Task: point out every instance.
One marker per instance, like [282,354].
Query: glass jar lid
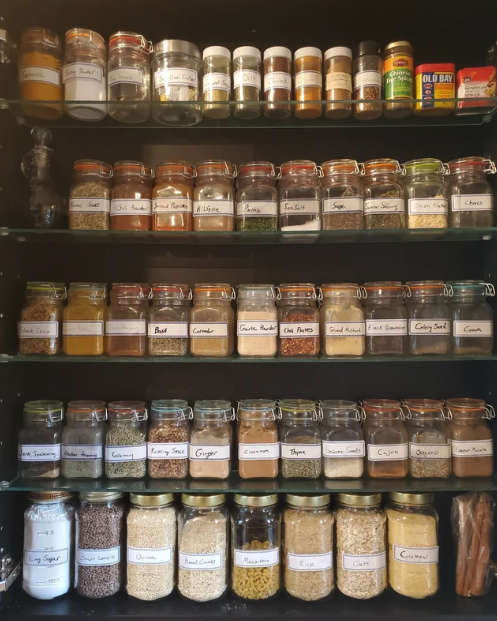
[100,496]
[215,409]
[425,288]
[341,290]
[382,165]
[127,410]
[44,411]
[83,36]
[257,169]
[383,289]
[392,46]
[200,500]
[215,291]
[424,166]
[176,46]
[90,290]
[131,40]
[300,167]
[256,501]
[260,292]
[208,168]
[470,288]
[257,409]
[93,167]
[131,290]
[171,291]
[411,499]
[308,502]
[306,291]
[49,498]
[474,163]
[298,408]
[340,409]
[170,408]
[359,500]
[131,168]
[341,167]
[465,408]
[151,500]
[42,35]
[175,167]
[54,290]
[82,411]
[421,409]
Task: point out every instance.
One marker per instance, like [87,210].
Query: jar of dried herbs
[342,320]
[216,82]
[83,326]
[300,196]
[212,320]
[126,440]
[343,204]
[89,198]
[426,194]
[214,196]
[429,317]
[247,82]
[257,197]
[299,320]
[168,320]
[384,206]
[338,71]
[471,193]
[131,204]
[367,76]
[386,318]
[258,445]
[172,203]
[126,320]
[168,438]
[300,439]
[472,317]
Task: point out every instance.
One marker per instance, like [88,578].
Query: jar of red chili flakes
[131,204]
[299,320]
[172,204]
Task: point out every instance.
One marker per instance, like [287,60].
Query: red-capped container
[476,83]
[435,84]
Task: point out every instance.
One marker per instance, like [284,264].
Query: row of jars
[299,196]
[329,437]
[380,318]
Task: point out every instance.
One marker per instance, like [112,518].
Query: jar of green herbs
[126,440]
[257,197]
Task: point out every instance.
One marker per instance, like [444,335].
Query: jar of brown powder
[212,320]
[172,202]
[277,82]
[308,82]
[126,320]
[211,439]
[39,329]
[131,204]
[258,445]
[338,70]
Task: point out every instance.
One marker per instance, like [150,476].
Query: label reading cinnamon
[262,451]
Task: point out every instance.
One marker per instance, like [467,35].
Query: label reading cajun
[398,77]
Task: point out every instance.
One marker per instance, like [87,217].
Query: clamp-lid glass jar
[257,197]
[126,320]
[257,433]
[300,439]
[83,325]
[308,76]
[386,318]
[257,321]
[277,82]
[342,320]
[299,320]
[426,194]
[367,74]
[172,202]
[398,79]
[300,196]
[428,314]
[343,203]
[168,438]
[247,82]
[168,320]
[211,439]
[216,82]
[214,196]
[472,317]
[338,72]
[89,197]
[212,320]
[126,440]
[384,206]
[131,204]
[471,195]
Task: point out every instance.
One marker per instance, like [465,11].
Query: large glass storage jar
[48,545]
[342,440]
[299,320]
[300,196]
[342,320]
[425,193]
[128,77]
[176,66]
[257,435]
[247,82]
[214,196]
[100,541]
[386,438]
[203,526]
[38,448]
[83,438]
[471,437]
[386,318]
[126,320]
[84,75]
[131,204]
[126,440]
[367,76]
[308,547]
[89,197]
[361,545]
[471,194]
[308,76]
[343,205]
[429,442]
[168,438]
[472,317]
[257,321]
[412,545]
[257,197]
[338,72]
[172,202]
[216,70]
[428,316]
[83,324]
[300,439]
[255,547]
[39,329]
[151,546]
[212,320]
[211,439]
[168,320]
[277,82]
[384,206]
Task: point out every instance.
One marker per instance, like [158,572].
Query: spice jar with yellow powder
[83,324]
[212,321]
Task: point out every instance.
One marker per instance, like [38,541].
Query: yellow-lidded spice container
[398,70]
[83,324]
[435,83]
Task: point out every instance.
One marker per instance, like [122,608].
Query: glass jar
[300,196]
[126,440]
[429,443]
[342,320]
[472,317]
[128,78]
[277,82]
[255,547]
[308,76]
[384,206]
[100,541]
[386,439]
[257,435]
[398,79]
[471,437]
[151,546]
[342,439]
[308,547]
[214,196]
[211,439]
[131,204]
[367,74]
[247,82]
[41,316]
[386,318]
[361,545]
[172,203]
[83,439]
[299,320]
[300,439]
[175,67]
[471,195]
[89,197]
[84,75]
[168,320]
[126,320]
[343,204]
[426,194]
[338,71]
[40,60]
[216,71]
[38,449]
[83,325]
[428,315]
[257,321]
[168,438]
[412,545]
[203,524]
[257,197]
[212,321]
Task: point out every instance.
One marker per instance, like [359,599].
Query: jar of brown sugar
[338,71]
[258,445]
[126,320]
[277,82]
[212,320]
[299,320]
[214,196]
[308,82]
[131,204]
[172,202]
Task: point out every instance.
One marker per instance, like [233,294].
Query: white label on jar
[387,452]
[344,328]
[428,206]
[429,451]
[259,451]
[135,452]
[472,448]
[299,207]
[82,71]
[213,208]
[338,80]
[82,452]
[247,77]
[200,561]
[176,76]
[364,562]
[472,202]
[217,82]
[46,558]
[355,448]
[257,558]
[35,73]
[209,452]
[386,327]
[125,75]
[130,207]
[417,556]
[473,328]
[178,204]
[278,79]
[126,327]
[168,329]
[150,556]
[89,205]
[83,328]
[257,328]
[207,330]
[383,205]
[256,209]
[37,329]
[94,558]
[309,562]
[38,452]
[299,330]
[429,326]
[167,450]
[312,79]
[300,451]
[367,78]
[345,204]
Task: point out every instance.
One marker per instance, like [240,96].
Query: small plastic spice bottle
[471,437]
[471,195]
[255,547]
[338,71]
[257,434]
[367,74]
[277,82]
[168,438]
[126,320]
[126,440]
[131,204]
[308,76]
[216,82]
[342,320]
[89,197]
[247,82]
[428,315]
[472,317]
[257,197]
[212,320]
[386,318]
[300,196]
[398,79]
[214,196]
[426,194]
[300,439]
[386,438]
[299,320]
[257,321]
[168,320]
[343,204]
[172,202]
[384,206]
[84,315]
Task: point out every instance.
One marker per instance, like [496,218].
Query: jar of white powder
[257,321]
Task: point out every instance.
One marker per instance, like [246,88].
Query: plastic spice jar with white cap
[308,69]
[338,70]
[216,89]
[247,82]
[277,82]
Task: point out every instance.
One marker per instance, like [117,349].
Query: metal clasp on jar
[98,417]
[140,415]
[58,296]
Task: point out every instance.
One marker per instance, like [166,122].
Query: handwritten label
[82,71]
[38,452]
[344,328]
[309,562]
[34,73]
[299,330]
[213,208]
[130,207]
[472,328]
[472,448]
[46,558]
[264,451]
[125,75]
[217,82]
[168,329]
[150,556]
[386,327]
[299,207]
[428,206]
[257,328]
[257,209]
[387,452]
[89,205]
[179,204]
[37,329]
[257,558]
[277,80]
[94,558]
[308,78]
[367,78]
[82,452]
[200,562]
[136,452]
[167,450]
[355,448]
[415,556]
[344,204]
[364,562]
[176,76]
[429,326]
[383,205]
[338,80]
[429,451]
[300,451]
[209,452]
[472,202]
[247,77]
[83,328]
[126,327]
[206,330]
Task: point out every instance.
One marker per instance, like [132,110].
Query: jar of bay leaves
[343,204]
[89,197]
[472,317]
[300,439]
[386,318]
[429,317]
[257,197]
[168,320]
[384,206]
[126,440]
[426,194]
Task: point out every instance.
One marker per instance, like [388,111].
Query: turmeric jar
[131,204]
[83,324]
[126,320]
[172,203]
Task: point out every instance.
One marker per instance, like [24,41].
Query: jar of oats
[89,198]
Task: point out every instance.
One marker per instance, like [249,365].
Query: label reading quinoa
[300,451]
[309,562]
[125,75]
[247,78]
[82,452]
[257,209]
[176,76]
[94,558]
[150,556]
[179,204]
[383,205]
[82,71]
[257,328]
[126,327]
[136,452]
[35,73]
[262,451]
[298,207]
[167,450]
[38,452]
[387,452]
[367,78]
[429,326]
[472,202]
[257,558]
[386,327]
[416,556]
[83,328]
[216,82]
[89,205]
[345,328]
[299,330]
[472,448]
[308,78]
[429,451]
[46,558]
[343,204]
[338,80]
[364,562]
[168,329]
[209,452]
[473,329]
[213,208]
[200,561]
[356,448]
[428,206]
[130,207]
[206,330]
[278,80]
[37,329]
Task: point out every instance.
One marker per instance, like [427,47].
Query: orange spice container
[308,82]
[172,203]
[131,204]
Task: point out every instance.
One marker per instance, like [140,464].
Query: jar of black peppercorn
[366,69]
[299,320]
[386,318]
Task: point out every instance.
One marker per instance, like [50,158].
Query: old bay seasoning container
[398,79]
[435,83]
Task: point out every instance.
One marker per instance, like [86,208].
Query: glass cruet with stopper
[472,317]
[426,194]
[300,439]
[384,206]
[428,316]
[471,195]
